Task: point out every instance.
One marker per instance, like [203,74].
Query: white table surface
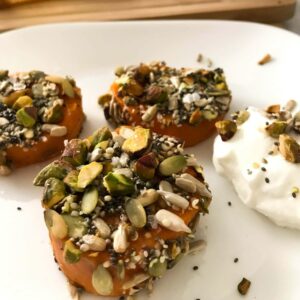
[294,23]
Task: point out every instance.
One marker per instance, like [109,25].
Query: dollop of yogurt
[262,178]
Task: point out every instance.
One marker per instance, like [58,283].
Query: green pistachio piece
[76,226]
[102,145]
[54,191]
[71,253]
[172,165]
[88,173]
[104,99]
[276,128]
[102,281]
[54,114]
[27,116]
[118,184]
[36,75]
[209,115]
[242,117]
[102,134]
[58,169]
[138,141]
[289,148]
[3,74]
[157,268]
[55,224]
[22,102]
[71,180]
[75,152]
[195,117]
[136,213]
[89,200]
[217,92]
[226,129]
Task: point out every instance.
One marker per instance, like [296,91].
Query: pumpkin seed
[89,200]
[65,85]
[55,224]
[157,268]
[172,165]
[76,226]
[136,213]
[209,114]
[136,280]
[102,281]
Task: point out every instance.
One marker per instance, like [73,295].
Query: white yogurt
[240,159]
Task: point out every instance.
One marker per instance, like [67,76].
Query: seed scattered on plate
[267,58]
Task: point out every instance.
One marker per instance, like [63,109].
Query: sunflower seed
[201,187]
[175,199]
[103,228]
[120,239]
[95,243]
[165,186]
[186,185]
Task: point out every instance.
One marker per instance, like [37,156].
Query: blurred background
[19,13]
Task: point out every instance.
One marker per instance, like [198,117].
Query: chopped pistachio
[195,117]
[27,116]
[71,180]
[138,142]
[22,102]
[57,169]
[242,117]
[226,129]
[54,114]
[276,128]
[157,268]
[104,99]
[100,135]
[71,253]
[209,115]
[118,184]
[54,191]
[289,148]
[88,173]
[75,152]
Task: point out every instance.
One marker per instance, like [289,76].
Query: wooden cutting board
[18,13]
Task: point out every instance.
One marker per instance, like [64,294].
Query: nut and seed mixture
[30,105]
[283,126]
[166,95]
[114,191]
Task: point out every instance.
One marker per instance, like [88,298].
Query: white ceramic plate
[268,255]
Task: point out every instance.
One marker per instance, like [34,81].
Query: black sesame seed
[19,208]
[236,260]
[229,203]
[195,268]
[263,169]
[294,195]
[267,180]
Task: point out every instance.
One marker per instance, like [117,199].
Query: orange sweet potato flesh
[80,273]
[191,134]
[41,151]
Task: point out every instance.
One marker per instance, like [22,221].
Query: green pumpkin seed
[102,281]
[55,224]
[172,165]
[157,268]
[136,213]
[89,200]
